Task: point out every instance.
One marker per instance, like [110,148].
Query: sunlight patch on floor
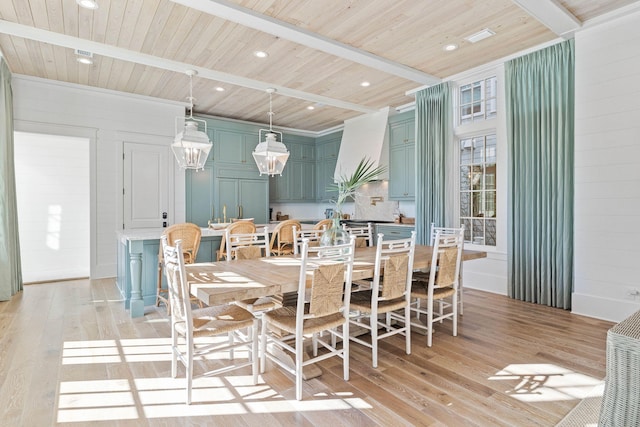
[544,382]
[164,397]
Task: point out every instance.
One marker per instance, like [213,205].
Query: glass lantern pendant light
[270,154]
[191,147]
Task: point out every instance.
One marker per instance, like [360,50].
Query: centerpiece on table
[346,188]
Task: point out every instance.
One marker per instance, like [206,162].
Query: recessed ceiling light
[450,47]
[220,89]
[311,107]
[83,56]
[480,35]
[365,84]
[87,4]
[260,54]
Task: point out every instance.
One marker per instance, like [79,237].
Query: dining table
[223,282]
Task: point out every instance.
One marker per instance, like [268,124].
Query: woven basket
[621,398]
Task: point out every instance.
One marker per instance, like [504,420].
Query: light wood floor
[71,355]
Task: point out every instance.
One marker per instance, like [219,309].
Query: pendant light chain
[191,95]
[270,111]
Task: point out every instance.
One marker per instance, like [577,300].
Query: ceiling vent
[84,53]
[480,35]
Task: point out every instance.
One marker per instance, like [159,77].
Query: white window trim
[495,125]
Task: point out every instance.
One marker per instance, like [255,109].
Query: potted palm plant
[346,187]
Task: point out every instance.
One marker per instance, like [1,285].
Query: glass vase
[335,235]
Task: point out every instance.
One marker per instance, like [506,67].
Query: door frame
[80,132]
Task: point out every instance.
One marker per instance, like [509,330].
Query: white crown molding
[32,33]
[98,90]
[249,18]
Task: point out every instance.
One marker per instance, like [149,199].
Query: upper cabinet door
[230,146]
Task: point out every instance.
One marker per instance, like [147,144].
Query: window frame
[477,128]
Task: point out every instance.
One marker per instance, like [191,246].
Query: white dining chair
[252,246]
[364,234]
[312,236]
[442,284]
[189,327]
[390,294]
[322,307]
[424,275]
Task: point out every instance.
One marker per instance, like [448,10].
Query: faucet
[375,199]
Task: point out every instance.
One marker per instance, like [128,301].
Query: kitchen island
[137,264]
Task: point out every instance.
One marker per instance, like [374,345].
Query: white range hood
[363,137]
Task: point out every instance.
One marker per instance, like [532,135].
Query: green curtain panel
[540,126]
[10,272]
[434,130]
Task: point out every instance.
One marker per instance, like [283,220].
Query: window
[478,188]
[478,101]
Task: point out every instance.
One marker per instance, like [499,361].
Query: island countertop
[155,233]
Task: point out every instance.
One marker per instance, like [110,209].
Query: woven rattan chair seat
[257,304]
[218,320]
[361,301]
[419,290]
[285,319]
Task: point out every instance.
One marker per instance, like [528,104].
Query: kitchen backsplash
[372,202]
[376,192]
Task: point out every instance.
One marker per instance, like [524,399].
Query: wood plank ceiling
[144,47]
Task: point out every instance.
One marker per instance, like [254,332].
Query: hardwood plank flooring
[70,355]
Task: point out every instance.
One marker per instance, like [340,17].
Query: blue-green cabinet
[327,148]
[235,146]
[242,198]
[402,151]
[230,177]
[199,195]
[297,183]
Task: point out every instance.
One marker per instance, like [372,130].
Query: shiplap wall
[607,169]
[46,106]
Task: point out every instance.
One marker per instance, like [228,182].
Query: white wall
[47,106]
[52,187]
[607,169]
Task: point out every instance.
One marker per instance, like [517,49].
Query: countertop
[155,233]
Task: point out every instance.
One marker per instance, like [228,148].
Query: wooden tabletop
[226,281]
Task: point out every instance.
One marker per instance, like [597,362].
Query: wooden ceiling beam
[249,18]
[63,40]
[553,15]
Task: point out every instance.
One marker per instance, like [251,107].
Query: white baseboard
[613,310]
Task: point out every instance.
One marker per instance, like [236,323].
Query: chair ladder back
[248,245]
[312,235]
[448,256]
[238,227]
[364,235]
[443,231]
[394,281]
[397,256]
[330,268]
[327,289]
[178,287]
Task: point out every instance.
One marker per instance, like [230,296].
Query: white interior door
[146,185]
